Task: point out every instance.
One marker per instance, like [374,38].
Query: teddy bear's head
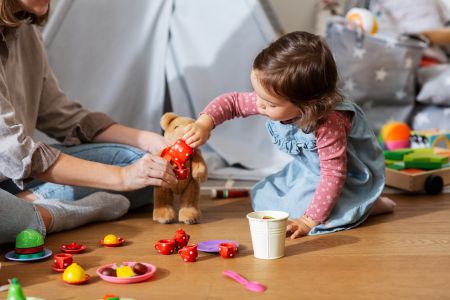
[174,125]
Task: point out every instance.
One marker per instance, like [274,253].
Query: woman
[38,182]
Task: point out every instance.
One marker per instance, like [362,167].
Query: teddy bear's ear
[166,119]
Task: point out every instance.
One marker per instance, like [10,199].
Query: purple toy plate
[11,255]
[212,246]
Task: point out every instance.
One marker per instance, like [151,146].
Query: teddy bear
[187,189]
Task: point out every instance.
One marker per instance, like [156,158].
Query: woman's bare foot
[383,205]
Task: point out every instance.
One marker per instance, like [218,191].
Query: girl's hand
[150,170]
[300,227]
[198,133]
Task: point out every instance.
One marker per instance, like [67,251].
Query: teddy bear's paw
[189,215]
[164,215]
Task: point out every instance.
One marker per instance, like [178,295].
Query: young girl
[336,177]
[30,99]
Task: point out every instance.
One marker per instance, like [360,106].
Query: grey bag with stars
[378,73]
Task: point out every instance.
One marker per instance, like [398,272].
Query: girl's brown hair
[10,19]
[300,68]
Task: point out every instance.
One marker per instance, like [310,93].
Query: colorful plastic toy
[74,274]
[363,19]
[61,261]
[111,240]
[249,285]
[178,155]
[181,238]
[73,248]
[166,246]
[430,138]
[394,135]
[212,246]
[189,253]
[29,247]
[151,269]
[15,291]
[415,170]
[227,250]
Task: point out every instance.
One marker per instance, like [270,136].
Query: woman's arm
[149,170]
[145,140]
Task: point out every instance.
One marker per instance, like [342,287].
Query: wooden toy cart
[415,180]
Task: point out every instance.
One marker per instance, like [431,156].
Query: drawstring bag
[376,72]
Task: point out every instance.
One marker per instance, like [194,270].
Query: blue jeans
[112,154]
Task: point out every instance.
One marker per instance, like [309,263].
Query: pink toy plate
[86,278]
[119,243]
[64,248]
[138,278]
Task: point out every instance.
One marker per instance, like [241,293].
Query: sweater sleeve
[20,156]
[232,105]
[331,139]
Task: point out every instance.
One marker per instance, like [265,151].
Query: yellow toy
[363,19]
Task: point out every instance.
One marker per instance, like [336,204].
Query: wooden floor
[405,255]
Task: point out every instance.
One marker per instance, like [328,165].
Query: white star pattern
[422,118]
[400,94]
[359,53]
[349,85]
[380,74]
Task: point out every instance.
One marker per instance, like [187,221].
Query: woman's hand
[149,170]
[198,133]
[300,227]
[154,143]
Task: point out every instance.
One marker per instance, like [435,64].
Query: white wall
[296,14]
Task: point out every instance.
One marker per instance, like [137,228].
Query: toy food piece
[74,274]
[29,244]
[267,217]
[15,291]
[124,271]
[109,272]
[110,239]
[140,269]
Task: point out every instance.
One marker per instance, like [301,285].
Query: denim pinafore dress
[292,189]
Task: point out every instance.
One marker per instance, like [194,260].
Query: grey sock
[99,206]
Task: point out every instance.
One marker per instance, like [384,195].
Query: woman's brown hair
[10,19]
[300,68]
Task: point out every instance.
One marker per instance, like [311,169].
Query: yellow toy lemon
[124,271]
[110,239]
[74,273]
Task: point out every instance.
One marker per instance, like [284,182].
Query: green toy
[15,291]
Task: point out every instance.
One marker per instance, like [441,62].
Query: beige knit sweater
[30,99]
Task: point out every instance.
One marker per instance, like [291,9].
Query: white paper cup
[268,235]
